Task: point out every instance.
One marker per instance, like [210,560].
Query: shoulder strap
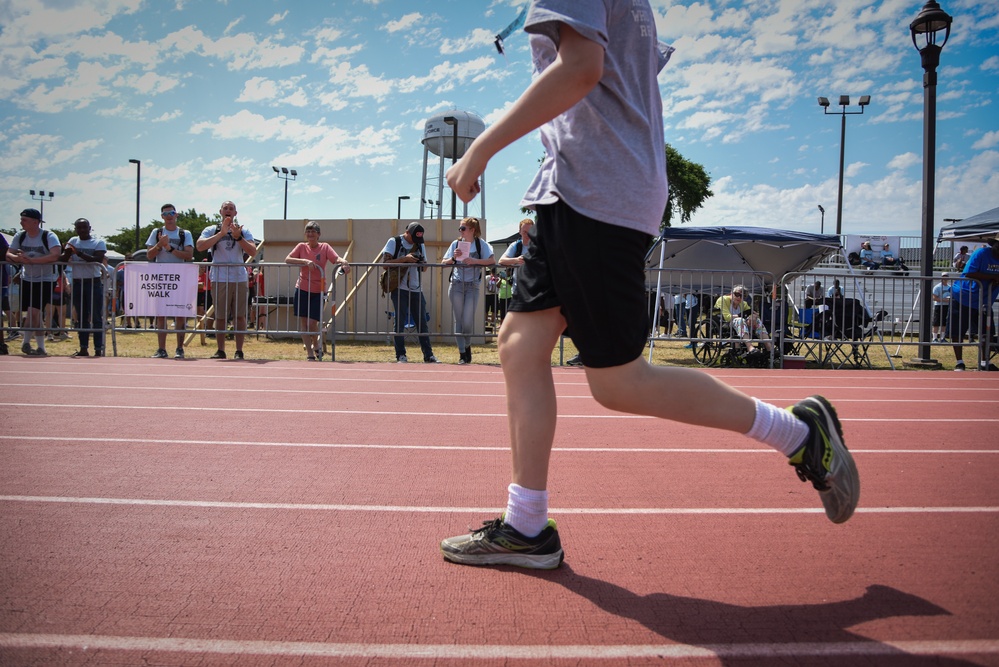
[398,247]
[478,247]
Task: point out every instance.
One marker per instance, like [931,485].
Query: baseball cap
[31,213]
[415,230]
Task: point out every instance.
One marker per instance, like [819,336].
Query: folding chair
[853,332]
[806,338]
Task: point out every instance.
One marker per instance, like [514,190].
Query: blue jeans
[464,300]
[88,300]
[408,303]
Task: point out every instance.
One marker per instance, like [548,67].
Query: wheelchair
[715,343]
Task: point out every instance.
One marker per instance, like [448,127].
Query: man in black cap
[37,250]
[407,299]
[86,255]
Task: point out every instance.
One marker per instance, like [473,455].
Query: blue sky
[210,94]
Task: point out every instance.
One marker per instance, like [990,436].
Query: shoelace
[488,527]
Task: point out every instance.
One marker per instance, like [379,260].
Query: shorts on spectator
[35,294]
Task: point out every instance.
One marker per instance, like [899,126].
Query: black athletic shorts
[595,273]
[36,294]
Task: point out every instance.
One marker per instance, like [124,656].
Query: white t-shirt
[164,257]
[81,269]
[35,247]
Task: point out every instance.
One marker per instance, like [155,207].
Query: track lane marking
[867,648]
[332,507]
[472,448]
[421,413]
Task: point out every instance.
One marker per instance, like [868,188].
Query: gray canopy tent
[760,251]
[977,228]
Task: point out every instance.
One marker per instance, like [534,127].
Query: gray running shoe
[824,459]
[497,543]
[160,354]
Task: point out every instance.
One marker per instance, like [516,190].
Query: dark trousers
[88,300]
[411,307]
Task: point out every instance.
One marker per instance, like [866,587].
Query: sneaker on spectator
[959,366]
[574,361]
[178,353]
[81,353]
[38,352]
[160,354]
[402,359]
[26,347]
[219,354]
[498,543]
[988,367]
[430,360]
[238,354]
[824,460]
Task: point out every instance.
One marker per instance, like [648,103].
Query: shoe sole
[530,561]
[841,498]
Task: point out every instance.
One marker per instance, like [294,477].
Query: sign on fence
[161,290]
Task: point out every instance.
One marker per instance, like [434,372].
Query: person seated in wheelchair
[745,322]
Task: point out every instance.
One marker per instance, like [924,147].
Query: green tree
[688,187]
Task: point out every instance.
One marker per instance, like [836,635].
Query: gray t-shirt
[176,242]
[606,156]
[80,268]
[35,247]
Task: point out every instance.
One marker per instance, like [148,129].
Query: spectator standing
[467,253]
[505,293]
[229,242]
[516,252]
[86,255]
[170,244]
[492,296]
[680,314]
[313,257]
[971,307]
[37,251]
[408,299]
[942,296]
[594,58]
[961,258]
[5,314]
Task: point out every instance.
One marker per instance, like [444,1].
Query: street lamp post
[844,102]
[398,208]
[41,198]
[138,183]
[822,223]
[927,28]
[453,122]
[284,174]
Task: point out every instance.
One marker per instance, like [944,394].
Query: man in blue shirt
[972,301]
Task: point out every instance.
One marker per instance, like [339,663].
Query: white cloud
[905,161]
[988,140]
[277,18]
[404,23]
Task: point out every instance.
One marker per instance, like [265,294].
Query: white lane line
[327,507]
[870,648]
[444,394]
[471,448]
[327,411]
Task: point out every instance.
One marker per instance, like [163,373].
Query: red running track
[260,513]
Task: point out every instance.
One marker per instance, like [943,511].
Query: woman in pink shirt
[312,256]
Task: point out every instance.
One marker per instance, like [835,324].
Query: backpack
[45,238]
[390,278]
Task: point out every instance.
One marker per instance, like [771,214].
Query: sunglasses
[462,228]
[166,213]
[736,293]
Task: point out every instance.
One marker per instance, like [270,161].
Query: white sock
[40,339]
[777,428]
[526,510]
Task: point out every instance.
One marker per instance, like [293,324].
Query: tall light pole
[453,122]
[932,24]
[398,208]
[822,223]
[284,174]
[138,183]
[41,198]
[844,102]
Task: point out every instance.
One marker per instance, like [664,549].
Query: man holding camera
[407,299]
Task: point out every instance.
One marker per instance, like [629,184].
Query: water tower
[448,135]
